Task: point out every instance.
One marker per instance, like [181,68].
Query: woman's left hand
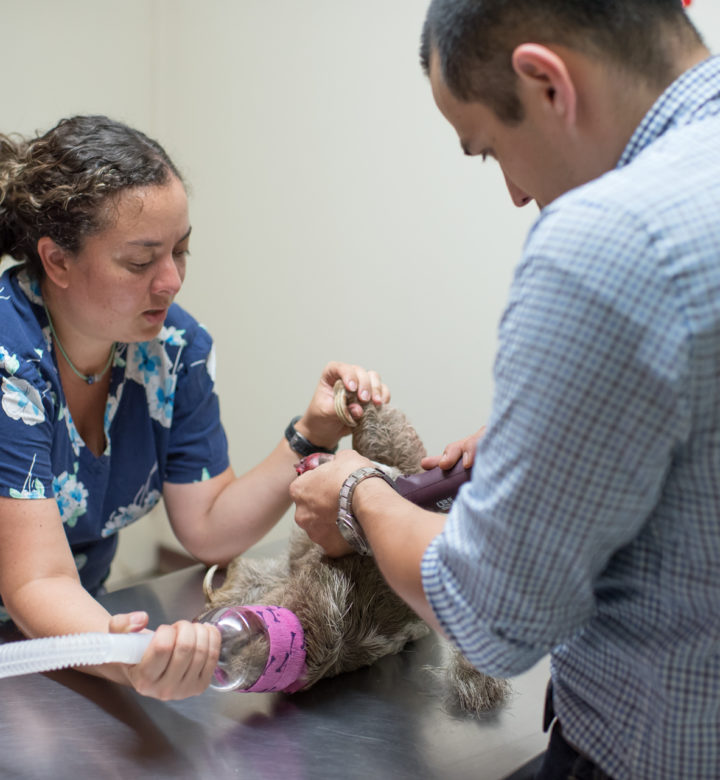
[320,423]
[179,661]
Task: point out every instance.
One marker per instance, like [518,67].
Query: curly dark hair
[474,41]
[60,184]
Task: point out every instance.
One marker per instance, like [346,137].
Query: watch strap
[298,443]
[347,523]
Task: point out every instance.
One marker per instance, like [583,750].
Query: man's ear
[55,261]
[545,75]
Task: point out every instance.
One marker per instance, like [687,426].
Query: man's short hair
[474,40]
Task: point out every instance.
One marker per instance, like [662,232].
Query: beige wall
[334,216]
[76,56]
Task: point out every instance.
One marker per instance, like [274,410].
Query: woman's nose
[169,278]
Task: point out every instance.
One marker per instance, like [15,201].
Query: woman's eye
[181,253]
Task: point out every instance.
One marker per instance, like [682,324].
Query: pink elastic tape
[286,662]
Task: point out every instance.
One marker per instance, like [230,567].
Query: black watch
[298,443]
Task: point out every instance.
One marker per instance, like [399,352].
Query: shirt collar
[680,102]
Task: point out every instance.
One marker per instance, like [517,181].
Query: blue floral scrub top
[162,423]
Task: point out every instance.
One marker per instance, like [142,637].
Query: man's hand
[464,448]
[316,494]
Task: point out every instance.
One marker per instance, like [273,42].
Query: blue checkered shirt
[591,527]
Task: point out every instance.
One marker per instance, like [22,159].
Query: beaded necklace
[89,378]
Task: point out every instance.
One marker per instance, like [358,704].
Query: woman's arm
[42,592]
[220,518]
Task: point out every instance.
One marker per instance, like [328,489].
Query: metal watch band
[298,443]
[346,522]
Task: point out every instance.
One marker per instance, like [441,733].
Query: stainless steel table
[385,721]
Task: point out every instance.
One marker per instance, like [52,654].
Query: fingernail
[466,459]
[365,395]
[352,385]
[137,618]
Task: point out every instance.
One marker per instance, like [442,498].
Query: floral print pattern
[144,501]
[149,365]
[71,496]
[32,487]
[161,422]
[9,361]
[21,401]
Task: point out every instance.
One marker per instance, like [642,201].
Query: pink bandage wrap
[286,661]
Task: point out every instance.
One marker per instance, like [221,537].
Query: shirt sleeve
[587,409]
[27,422]
[198,447]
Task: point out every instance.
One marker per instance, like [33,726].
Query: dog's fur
[350,616]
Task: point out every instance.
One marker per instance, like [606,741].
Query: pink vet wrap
[286,662]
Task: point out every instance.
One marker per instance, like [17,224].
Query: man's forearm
[399,533]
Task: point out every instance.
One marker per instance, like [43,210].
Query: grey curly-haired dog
[349,615]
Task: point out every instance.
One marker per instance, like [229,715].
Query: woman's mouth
[155,316]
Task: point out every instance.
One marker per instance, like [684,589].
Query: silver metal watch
[347,524]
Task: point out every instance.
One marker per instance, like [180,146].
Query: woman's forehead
[148,214]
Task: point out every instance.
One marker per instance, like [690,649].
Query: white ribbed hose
[60,652]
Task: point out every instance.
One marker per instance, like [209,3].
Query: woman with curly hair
[107,399]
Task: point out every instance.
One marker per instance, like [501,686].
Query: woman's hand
[463,448]
[219,518]
[320,423]
[179,661]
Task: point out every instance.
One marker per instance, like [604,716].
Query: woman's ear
[55,261]
[545,77]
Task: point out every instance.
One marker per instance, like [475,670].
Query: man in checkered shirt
[591,527]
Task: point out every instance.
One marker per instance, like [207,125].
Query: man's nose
[519,197]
